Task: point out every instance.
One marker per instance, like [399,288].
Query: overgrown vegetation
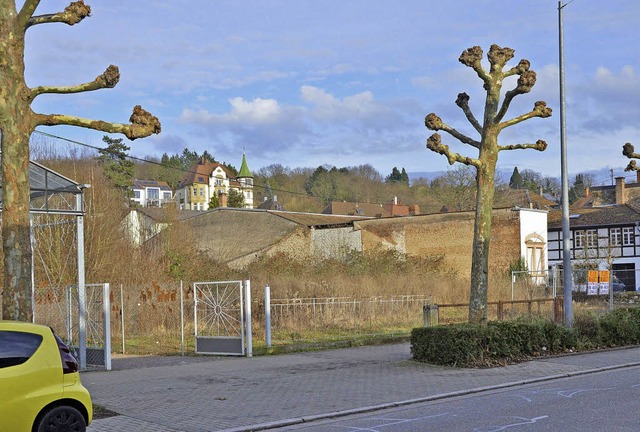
[472,345]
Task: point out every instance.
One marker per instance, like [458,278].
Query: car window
[17,347]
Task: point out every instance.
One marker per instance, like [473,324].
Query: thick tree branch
[435,123]
[526,81]
[629,151]
[463,102]
[28,9]
[540,109]
[435,144]
[540,145]
[632,166]
[108,79]
[498,57]
[472,57]
[522,66]
[142,124]
[72,14]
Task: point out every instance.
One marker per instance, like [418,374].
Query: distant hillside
[413,176]
[601,177]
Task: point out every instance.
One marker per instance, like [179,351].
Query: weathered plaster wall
[335,242]
[446,234]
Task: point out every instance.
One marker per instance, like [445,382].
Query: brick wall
[446,234]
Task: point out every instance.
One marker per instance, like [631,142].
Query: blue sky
[309,82]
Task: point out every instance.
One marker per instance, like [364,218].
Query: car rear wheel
[62,419]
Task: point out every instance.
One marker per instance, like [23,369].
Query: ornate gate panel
[219,318]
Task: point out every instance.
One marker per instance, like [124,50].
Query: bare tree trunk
[478,296]
[16,234]
[15,122]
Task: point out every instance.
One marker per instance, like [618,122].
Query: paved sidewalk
[197,394]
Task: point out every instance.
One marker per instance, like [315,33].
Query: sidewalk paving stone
[197,394]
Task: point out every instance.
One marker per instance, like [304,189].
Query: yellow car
[40,388]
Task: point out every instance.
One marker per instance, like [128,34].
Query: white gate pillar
[247,299]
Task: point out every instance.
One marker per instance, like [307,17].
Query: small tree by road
[488,148]
[18,121]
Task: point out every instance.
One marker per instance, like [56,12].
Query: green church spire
[244,169]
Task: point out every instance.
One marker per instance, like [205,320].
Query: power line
[115,153]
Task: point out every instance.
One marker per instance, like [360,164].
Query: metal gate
[81,317]
[220,317]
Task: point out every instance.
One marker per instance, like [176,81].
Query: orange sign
[593,276]
[604,275]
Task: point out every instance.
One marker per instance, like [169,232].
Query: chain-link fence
[159,318]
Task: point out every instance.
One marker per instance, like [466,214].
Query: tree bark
[16,125]
[485,191]
[17,122]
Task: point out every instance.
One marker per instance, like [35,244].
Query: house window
[615,236]
[627,236]
[592,238]
[201,192]
[153,194]
[167,195]
[195,192]
[136,194]
[578,239]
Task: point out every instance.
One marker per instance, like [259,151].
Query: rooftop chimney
[223,199]
[621,196]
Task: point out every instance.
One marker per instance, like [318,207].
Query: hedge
[501,342]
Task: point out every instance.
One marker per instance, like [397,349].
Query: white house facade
[151,193]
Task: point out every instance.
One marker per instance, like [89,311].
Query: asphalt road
[603,401]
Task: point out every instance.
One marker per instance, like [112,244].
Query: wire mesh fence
[159,318]
[336,318]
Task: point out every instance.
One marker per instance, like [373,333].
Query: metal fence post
[106,311]
[355,316]
[247,299]
[181,319]
[267,315]
[122,316]
[430,315]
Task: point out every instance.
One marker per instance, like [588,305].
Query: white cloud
[256,111]
[358,111]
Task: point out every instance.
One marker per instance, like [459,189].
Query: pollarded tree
[629,151]
[18,121]
[488,148]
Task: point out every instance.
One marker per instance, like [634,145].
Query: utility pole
[567,273]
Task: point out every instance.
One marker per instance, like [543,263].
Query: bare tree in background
[488,149]
[18,121]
